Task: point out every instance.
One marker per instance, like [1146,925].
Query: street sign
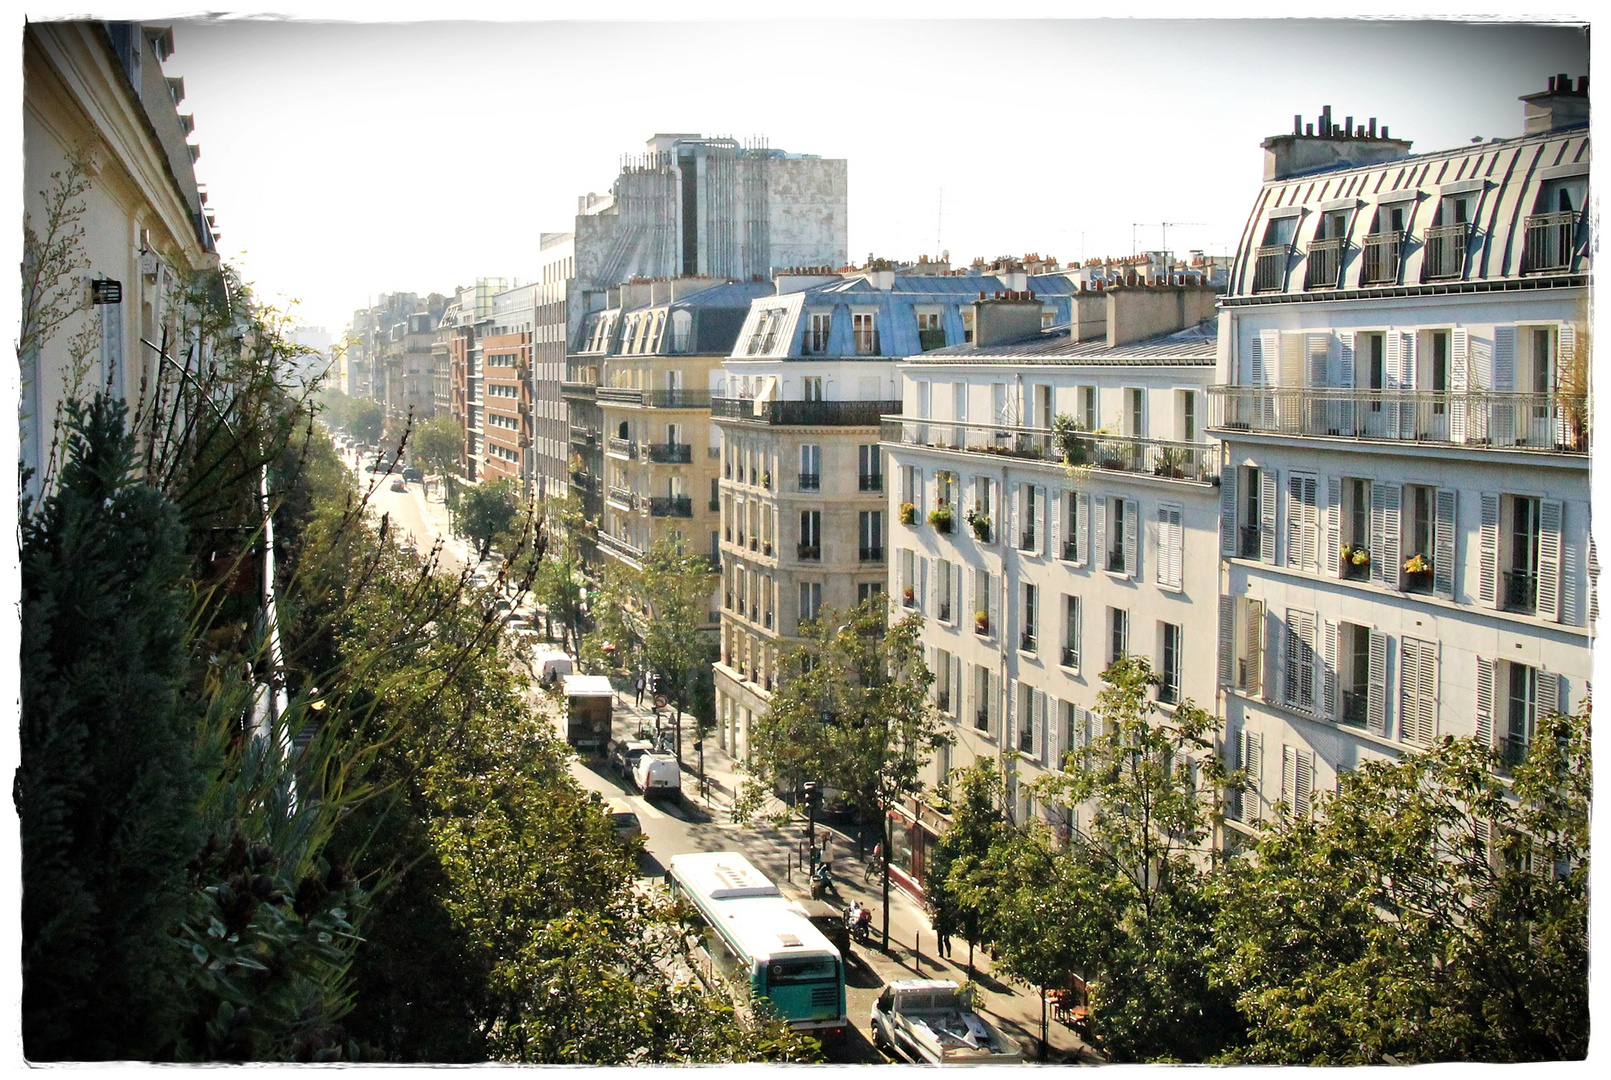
[660,701]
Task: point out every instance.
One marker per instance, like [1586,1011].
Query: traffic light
[813,794]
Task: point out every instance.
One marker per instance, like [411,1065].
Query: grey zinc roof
[1194,346]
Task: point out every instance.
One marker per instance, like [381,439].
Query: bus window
[806,969]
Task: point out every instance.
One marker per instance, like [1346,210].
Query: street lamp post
[811,794]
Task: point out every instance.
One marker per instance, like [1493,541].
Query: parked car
[624,755]
[398,485]
[658,774]
[933,1022]
[624,818]
[415,475]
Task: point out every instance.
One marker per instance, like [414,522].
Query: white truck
[932,1022]
[658,774]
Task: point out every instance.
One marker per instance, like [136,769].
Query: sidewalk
[911,954]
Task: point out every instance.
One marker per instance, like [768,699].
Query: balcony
[1380,263]
[1444,257]
[1251,542]
[808,552]
[654,399]
[1521,591]
[1324,265]
[583,436]
[810,481]
[870,482]
[1553,422]
[930,339]
[1190,461]
[803,413]
[871,554]
[1547,243]
[680,506]
[1355,709]
[621,497]
[1270,267]
[584,391]
[669,453]
[620,548]
[622,448]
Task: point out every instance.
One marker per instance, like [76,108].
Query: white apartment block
[1044,573]
[1404,515]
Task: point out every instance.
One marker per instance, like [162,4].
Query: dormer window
[1382,246]
[1324,264]
[1446,240]
[1270,268]
[1552,227]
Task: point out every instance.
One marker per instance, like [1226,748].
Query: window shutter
[1040,547]
[956,687]
[995,509]
[1055,520]
[1504,369]
[974,606]
[1227,643]
[1274,638]
[1550,522]
[1488,552]
[933,660]
[959,615]
[1082,530]
[1294,521]
[1254,647]
[1132,550]
[1426,711]
[1170,545]
[1267,496]
[1459,381]
[1306,781]
[1485,701]
[1227,512]
[1319,353]
[1253,767]
[1376,690]
[1010,733]
[1407,361]
[1594,583]
[1037,726]
[1054,734]
[1016,537]
[1308,657]
[1385,539]
[1333,537]
[1256,359]
[1293,354]
[1417,685]
[1098,555]
[1345,359]
[1571,582]
[1551,698]
[1328,676]
[996,583]
[1234,755]
[931,586]
[1443,528]
[1289,777]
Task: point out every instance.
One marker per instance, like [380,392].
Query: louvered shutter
[1274,639]
[1443,526]
[1170,544]
[1409,685]
[1256,359]
[1345,359]
[1376,689]
[1459,381]
[1040,546]
[996,583]
[1306,781]
[962,616]
[1307,657]
[1485,701]
[1385,534]
[1037,726]
[1227,639]
[1504,367]
[1253,767]
[974,606]
[1289,777]
[1055,518]
[1319,353]
[1082,531]
[1565,357]
[1550,522]
[1233,761]
[1294,521]
[1552,698]
[922,583]
[1227,513]
[1594,583]
[1016,537]
[1333,539]
[1293,354]
[1099,529]
[956,687]
[1406,348]
[1254,647]
[1329,703]
[1488,552]
[1426,705]
[1132,549]
[995,509]
[1009,740]
[1571,583]
[1268,492]
[1392,382]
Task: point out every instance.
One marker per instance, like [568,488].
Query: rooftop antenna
[1165,225]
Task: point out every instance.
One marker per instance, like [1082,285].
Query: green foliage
[110,771]
[361,418]
[487,511]
[1424,912]
[976,824]
[437,444]
[853,714]
[676,590]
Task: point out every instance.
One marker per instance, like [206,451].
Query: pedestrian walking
[639,699]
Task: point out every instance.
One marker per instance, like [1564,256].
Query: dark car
[398,485]
[624,754]
[413,474]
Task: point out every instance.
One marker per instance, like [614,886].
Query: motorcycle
[860,922]
[822,882]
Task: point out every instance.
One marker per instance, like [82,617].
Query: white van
[549,663]
[658,774]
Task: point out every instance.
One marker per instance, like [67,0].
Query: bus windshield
[805,969]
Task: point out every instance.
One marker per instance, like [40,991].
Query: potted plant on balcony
[940,516]
[1172,462]
[908,514]
[1070,440]
[1355,561]
[981,622]
[766,480]
[980,524]
[1418,573]
[1109,455]
[909,596]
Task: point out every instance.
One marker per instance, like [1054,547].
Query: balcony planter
[1172,463]
[1355,562]
[940,518]
[1070,440]
[908,514]
[981,622]
[980,524]
[766,480]
[1417,574]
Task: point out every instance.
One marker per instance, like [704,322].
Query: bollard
[917,950]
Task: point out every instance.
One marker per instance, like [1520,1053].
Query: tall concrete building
[1402,395]
[690,205]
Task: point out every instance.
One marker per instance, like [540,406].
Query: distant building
[320,362]
[689,206]
[1402,394]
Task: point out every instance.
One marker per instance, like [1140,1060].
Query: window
[1028,618]
[870,476]
[1418,685]
[1520,548]
[1171,547]
[1028,698]
[817,335]
[983,699]
[1188,415]
[1303,522]
[866,590]
[1169,642]
[810,600]
[943,691]
[1353,523]
[865,329]
[810,467]
[1521,712]
[1419,504]
[1521,568]
[1371,349]
[1120,541]
[811,388]
[1381,249]
[1252,542]
[1353,673]
[1241,643]
[930,334]
[1297,779]
[810,546]
[967,324]
[757,335]
[1135,412]
[1247,756]
[1118,634]
[1298,671]
[984,616]
[944,587]
[906,565]
[1040,405]
[959,405]
[872,535]
[1085,407]
[1071,632]
[1027,540]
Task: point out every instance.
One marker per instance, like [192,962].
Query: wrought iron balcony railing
[1323,267]
[1552,422]
[1444,256]
[1380,259]
[803,413]
[627,448]
[622,497]
[677,506]
[871,554]
[1190,461]
[654,399]
[620,547]
[808,552]
[669,453]
[810,481]
[870,482]
[1270,267]
[1521,591]
[1548,241]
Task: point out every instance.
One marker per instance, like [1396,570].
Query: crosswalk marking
[644,806]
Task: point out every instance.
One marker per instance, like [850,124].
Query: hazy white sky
[345,160]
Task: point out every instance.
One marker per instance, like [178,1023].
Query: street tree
[977,824]
[436,444]
[1433,909]
[675,592]
[487,511]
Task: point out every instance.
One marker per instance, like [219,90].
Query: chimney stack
[1333,146]
[1558,106]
